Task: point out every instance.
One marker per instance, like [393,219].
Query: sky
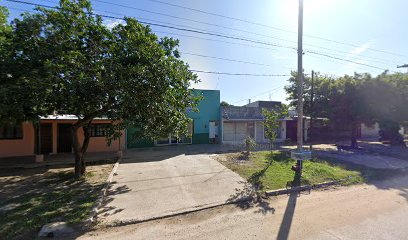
[340,37]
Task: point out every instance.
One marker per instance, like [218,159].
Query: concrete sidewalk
[152,184]
[61,159]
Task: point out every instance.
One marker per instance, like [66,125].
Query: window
[9,131]
[99,130]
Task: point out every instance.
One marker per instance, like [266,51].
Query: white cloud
[362,48]
[109,23]
[356,66]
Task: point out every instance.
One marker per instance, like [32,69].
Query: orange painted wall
[25,146]
[19,147]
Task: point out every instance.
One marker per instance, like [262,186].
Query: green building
[205,127]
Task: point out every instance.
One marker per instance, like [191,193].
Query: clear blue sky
[364,24]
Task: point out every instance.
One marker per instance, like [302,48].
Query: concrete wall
[25,146]
[208,110]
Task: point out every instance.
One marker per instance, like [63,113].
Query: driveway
[165,181]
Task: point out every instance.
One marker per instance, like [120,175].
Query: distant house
[367,132]
[204,127]
[247,121]
[53,136]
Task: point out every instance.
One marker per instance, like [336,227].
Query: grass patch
[28,199]
[271,171]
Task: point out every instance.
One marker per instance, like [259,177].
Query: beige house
[53,136]
[247,121]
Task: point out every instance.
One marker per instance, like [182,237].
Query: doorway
[44,140]
[64,138]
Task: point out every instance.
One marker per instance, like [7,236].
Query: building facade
[204,128]
[54,135]
[240,122]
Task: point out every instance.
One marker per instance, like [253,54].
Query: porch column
[54,137]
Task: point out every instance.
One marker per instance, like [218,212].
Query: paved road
[370,211]
[150,184]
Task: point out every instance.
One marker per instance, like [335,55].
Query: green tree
[76,65]
[340,100]
[224,104]
[323,89]
[272,122]
[386,96]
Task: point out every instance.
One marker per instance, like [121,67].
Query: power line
[240,74]
[253,46]
[271,27]
[263,93]
[206,33]
[177,27]
[227,59]
[183,28]
[235,29]
[345,60]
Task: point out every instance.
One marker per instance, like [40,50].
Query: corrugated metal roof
[67,117]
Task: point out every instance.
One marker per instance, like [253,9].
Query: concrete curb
[300,188]
[102,194]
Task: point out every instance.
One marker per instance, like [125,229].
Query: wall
[372,131]
[208,110]
[25,146]
[19,147]
[234,132]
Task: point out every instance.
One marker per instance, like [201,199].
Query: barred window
[9,131]
[99,130]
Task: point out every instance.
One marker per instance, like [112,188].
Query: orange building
[54,136]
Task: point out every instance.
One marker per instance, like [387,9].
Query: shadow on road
[290,209]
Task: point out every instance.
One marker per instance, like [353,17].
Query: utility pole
[311,111]
[300,154]
[300,84]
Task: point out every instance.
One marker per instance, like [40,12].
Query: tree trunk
[80,150]
[354,127]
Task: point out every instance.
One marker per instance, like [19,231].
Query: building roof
[241,113]
[67,117]
[251,111]
[264,104]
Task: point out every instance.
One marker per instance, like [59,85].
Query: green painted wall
[208,110]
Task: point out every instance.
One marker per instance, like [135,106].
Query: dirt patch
[30,198]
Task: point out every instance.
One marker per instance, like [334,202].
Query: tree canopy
[67,61]
[352,100]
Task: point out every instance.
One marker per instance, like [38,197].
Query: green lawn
[31,198]
[272,171]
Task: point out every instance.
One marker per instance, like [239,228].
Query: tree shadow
[30,198]
[249,197]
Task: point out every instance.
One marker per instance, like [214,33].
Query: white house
[240,122]
[373,131]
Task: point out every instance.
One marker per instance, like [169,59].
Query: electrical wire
[271,27]
[212,34]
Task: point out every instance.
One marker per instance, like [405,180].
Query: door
[64,138]
[213,131]
[45,139]
[291,130]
